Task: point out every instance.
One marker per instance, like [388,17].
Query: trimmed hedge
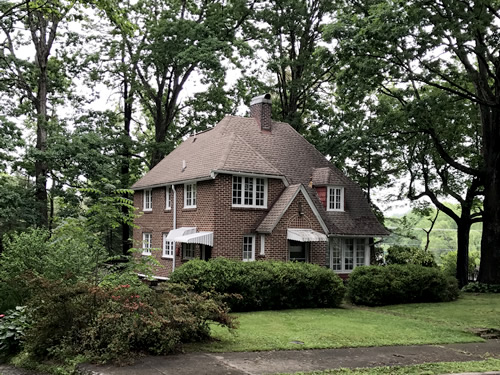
[264,285]
[393,284]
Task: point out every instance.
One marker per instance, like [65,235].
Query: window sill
[167,257]
[329,210]
[147,211]
[187,209]
[146,254]
[167,210]
[248,208]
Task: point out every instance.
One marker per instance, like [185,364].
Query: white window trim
[165,241]
[253,205]
[342,254]
[144,200]
[262,244]
[184,247]
[194,196]
[328,198]
[253,248]
[147,244]
[168,205]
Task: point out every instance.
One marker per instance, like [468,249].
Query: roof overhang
[202,238]
[305,235]
[179,182]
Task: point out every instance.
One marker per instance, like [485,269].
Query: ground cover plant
[353,326]
[395,283]
[270,285]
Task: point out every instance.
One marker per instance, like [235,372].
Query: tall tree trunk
[41,140]
[489,270]
[463,233]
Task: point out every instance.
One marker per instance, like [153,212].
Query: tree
[289,33]
[450,46]
[32,81]
[175,42]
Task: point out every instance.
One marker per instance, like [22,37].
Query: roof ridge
[227,151]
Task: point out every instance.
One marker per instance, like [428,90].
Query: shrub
[481,288]
[70,254]
[268,285]
[409,255]
[113,322]
[393,284]
[13,325]
[449,263]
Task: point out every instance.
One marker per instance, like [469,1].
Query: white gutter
[175,225]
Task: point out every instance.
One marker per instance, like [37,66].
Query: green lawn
[355,326]
[424,369]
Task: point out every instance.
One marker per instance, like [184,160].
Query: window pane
[236,190]
[248,191]
[349,254]
[248,248]
[360,252]
[259,191]
[336,257]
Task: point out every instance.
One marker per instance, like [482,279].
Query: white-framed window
[335,200]
[168,247]
[188,250]
[168,205]
[190,195]
[298,251]
[249,192]
[147,239]
[248,248]
[148,200]
[349,253]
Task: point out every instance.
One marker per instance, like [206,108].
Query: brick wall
[214,212]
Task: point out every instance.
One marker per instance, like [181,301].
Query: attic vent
[183,165]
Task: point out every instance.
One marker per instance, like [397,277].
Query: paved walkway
[290,361]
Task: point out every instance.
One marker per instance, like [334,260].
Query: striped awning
[203,238]
[174,233]
[305,235]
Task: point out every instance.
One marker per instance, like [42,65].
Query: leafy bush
[71,253]
[13,325]
[449,263]
[263,285]
[113,322]
[393,284]
[397,254]
[481,288]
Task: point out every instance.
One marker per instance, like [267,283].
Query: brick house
[252,189]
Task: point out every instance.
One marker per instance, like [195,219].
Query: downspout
[174,225]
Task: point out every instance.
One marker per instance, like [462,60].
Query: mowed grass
[424,369]
[413,324]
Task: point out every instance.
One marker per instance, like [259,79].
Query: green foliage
[112,322]
[393,284]
[449,263]
[13,325]
[263,285]
[72,253]
[409,255]
[481,288]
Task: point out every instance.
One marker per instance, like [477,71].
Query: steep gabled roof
[237,144]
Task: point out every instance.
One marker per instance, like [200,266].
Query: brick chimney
[260,110]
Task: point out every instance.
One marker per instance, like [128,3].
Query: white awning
[305,235]
[173,234]
[203,238]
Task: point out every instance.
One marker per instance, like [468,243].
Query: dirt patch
[486,333]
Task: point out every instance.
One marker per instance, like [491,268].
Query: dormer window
[335,200]
[249,192]
[148,200]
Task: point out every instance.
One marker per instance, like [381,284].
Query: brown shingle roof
[236,144]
